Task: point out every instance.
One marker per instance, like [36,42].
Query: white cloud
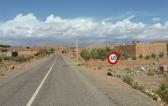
[156,19]
[29,26]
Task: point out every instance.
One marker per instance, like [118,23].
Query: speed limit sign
[112,58]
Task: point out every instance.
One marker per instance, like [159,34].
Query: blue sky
[65,19]
[144,9]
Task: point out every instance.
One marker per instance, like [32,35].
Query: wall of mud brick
[143,49]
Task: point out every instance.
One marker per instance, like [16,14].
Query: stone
[12,67]
[160,69]
[159,99]
[165,68]
[109,73]
[142,69]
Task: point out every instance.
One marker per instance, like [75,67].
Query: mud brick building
[137,48]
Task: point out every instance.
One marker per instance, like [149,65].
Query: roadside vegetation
[128,79]
[85,54]
[16,58]
[162,92]
[102,53]
[44,52]
[163,89]
[148,71]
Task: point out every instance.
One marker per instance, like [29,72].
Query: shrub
[150,73]
[51,51]
[94,53]
[147,57]
[126,55]
[161,55]
[2,56]
[85,54]
[20,59]
[118,76]
[10,58]
[134,58]
[128,79]
[163,89]
[135,85]
[140,56]
[42,52]
[14,53]
[119,53]
[153,56]
[141,88]
[6,58]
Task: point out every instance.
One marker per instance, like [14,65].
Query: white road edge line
[39,87]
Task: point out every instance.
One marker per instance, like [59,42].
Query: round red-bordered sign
[112,58]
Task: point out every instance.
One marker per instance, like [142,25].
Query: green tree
[112,49]
[94,53]
[140,56]
[161,55]
[126,55]
[103,54]
[100,53]
[85,54]
[153,56]
[119,53]
[147,57]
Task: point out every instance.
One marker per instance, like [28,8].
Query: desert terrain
[146,75]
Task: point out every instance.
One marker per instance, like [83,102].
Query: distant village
[134,50]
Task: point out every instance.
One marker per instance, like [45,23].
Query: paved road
[50,82]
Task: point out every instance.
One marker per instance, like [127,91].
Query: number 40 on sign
[112,58]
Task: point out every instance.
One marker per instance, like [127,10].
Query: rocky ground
[10,66]
[117,91]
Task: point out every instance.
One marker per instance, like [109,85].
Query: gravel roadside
[118,92]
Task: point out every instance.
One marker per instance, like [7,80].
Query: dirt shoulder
[117,91]
[12,67]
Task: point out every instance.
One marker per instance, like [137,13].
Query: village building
[137,48]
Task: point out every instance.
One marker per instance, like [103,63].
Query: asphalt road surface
[50,82]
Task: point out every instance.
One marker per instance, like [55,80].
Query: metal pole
[112,68]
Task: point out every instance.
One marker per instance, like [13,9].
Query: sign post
[112,59]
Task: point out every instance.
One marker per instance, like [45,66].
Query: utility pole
[76,49]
